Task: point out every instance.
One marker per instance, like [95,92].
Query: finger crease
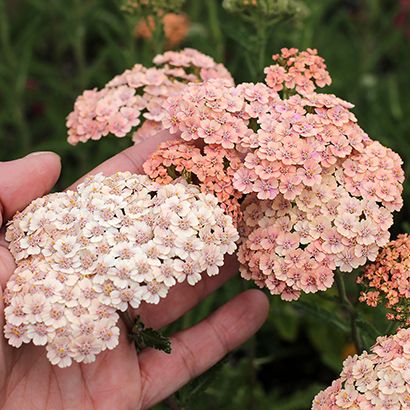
[220,334]
[187,356]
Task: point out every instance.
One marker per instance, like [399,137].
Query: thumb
[25,179]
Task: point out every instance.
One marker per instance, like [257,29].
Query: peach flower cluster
[135,97]
[301,71]
[376,380]
[217,112]
[298,139]
[192,66]
[320,191]
[294,244]
[387,281]
[288,143]
[118,241]
[211,168]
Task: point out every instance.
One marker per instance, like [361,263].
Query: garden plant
[242,161]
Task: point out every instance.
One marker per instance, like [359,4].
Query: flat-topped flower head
[294,242]
[217,112]
[297,71]
[135,97]
[211,168]
[118,241]
[293,141]
[327,193]
[191,65]
[376,380]
[323,184]
[387,280]
[296,141]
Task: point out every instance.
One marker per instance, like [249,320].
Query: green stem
[158,35]
[350,310]
[391,328]
[249,63]
[215,27]
[262,35]
[285,93]
[21,124]
[126,318]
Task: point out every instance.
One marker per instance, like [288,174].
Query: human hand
[120,378]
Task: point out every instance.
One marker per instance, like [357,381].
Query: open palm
[118,379]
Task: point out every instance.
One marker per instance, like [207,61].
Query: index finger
[131,159]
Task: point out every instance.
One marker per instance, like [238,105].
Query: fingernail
[32,154]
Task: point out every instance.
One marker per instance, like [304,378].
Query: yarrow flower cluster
[387,281]
[301,71]
[294,244]
[216,112]
[118,241]
[211,168]
[376,380]
[320,191]
[135,97]
[297,140]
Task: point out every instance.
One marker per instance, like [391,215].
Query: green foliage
[285,319]
[326,316]
[144,337]
[187,395]
[50,51]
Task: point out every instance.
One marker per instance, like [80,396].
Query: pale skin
[118,379]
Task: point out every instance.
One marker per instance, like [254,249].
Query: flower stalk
[262,33]
[350,310]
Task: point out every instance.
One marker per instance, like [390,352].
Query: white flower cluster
[120,240]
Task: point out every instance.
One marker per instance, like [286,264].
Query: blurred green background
[50,51]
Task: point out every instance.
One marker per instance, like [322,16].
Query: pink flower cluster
[387,281]
[294,244]
[376,380]
[119,241]
[216,112]
[211,168]
[375,174]
[136,96]
[191,65]
[297,141]
[301,71]
[327,190]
